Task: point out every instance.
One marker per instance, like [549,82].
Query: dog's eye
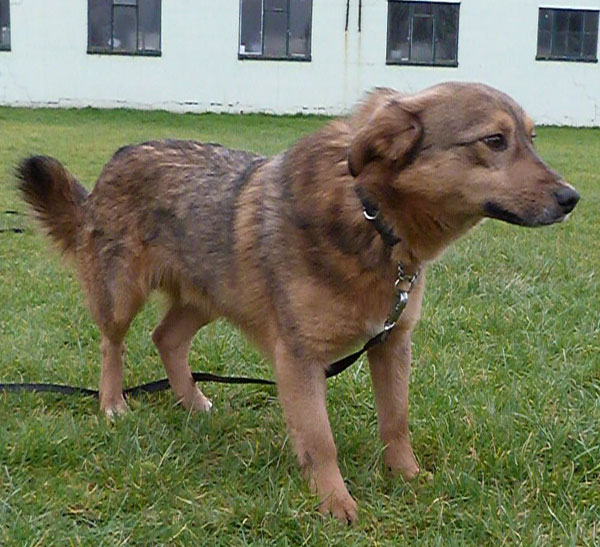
[495,142]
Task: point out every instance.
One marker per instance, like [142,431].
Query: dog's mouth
[545,218]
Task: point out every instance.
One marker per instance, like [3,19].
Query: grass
[505,393]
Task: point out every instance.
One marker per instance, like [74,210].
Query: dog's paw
[342,506]
[113,407]
[196,401]
[400,459]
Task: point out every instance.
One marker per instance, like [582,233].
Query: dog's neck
[397,248]
[413,235]
[372,213]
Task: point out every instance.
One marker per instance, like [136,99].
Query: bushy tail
[55,197]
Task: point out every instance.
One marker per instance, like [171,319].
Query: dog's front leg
[390,372]
[301,389]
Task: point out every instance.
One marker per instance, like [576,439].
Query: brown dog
[281,247]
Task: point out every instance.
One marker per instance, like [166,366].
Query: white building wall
[199,69]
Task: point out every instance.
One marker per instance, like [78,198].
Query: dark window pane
[276,5]
[561,24]
[149,25]
[590,46]
[422,40]
[574,44]
[99,16]
[561,20]
[4,36]
[545,22]
[591,22]
[398,32]
[4,24]
[300,27]
[422,9]
[275,29]
[251,22]
[576,21]
[446,33]
[4,12]
[544,43]
[125,28]
[559,44]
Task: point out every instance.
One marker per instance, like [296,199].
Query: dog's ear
[390,135]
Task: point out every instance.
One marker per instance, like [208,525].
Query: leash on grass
[12,230]
[160,385]
[151,387]
[402,287]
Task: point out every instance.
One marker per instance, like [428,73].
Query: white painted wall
[199,69]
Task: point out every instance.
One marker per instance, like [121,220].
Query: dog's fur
[280,247]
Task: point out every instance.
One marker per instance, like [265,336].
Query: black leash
[372,214]
[150,387]
[160,385]
[12,230]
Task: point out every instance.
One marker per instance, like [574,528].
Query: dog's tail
[55,197]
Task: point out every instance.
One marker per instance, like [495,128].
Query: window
[4,25]
[275,29]
[129,27]
[567,35]
[422,33]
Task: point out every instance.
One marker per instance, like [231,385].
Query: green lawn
[505,394]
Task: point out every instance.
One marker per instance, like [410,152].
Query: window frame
[109,50]
[567,58]
[6,47]
[261,56]
[411,5]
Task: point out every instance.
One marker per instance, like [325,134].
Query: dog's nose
[567,198]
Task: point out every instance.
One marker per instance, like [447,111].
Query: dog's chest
[374,316]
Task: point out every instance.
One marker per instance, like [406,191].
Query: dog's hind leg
[173,338]
[113,303]
[114,322]
[111,376]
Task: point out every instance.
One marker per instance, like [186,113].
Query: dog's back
[172,202]
[145,211]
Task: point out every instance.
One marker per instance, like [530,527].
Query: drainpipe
[347,14]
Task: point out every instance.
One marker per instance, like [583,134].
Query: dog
[300,250]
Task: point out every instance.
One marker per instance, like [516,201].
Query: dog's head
[465,149]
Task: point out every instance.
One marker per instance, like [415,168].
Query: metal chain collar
[400,299]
